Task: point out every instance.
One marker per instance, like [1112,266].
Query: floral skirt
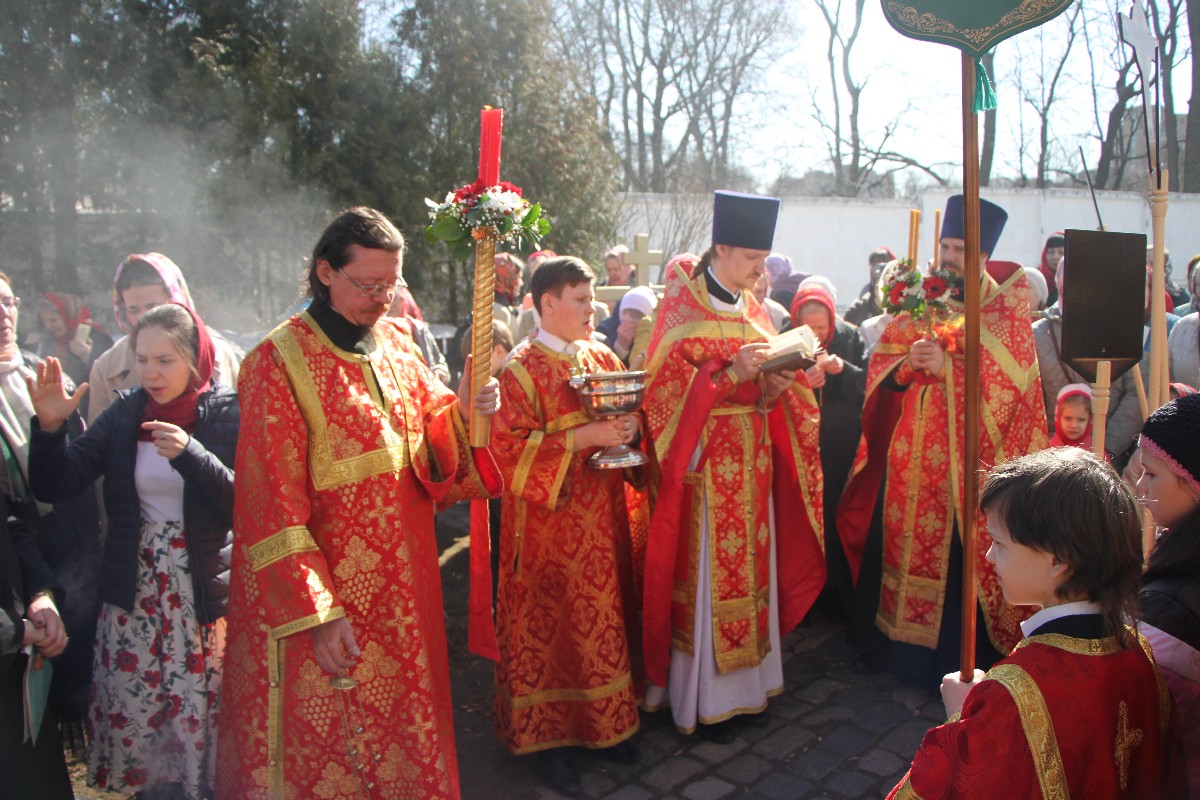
[156,678]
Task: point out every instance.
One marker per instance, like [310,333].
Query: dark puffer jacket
[58,470]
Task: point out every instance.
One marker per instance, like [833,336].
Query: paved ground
[832,733]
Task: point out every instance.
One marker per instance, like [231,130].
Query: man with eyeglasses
[143,281]
[337,678]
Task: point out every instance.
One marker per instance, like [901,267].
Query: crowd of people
[228,560]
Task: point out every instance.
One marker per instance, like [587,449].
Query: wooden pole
[1158,390]
[1100,406]
[1140,385]
[971,278]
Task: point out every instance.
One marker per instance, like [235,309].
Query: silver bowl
[607,395]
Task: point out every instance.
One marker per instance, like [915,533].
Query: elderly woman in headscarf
[70,334]
[783,279]
[1037,291]
[839,379]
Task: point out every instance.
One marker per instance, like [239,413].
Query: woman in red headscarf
[839,382]
[166,452]
[70,334]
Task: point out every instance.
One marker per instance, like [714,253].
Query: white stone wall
[832,236]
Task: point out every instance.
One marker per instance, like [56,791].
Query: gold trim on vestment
[566,421]
[1165,703]
[683,639]
[527,385]
[818,525]
[905,791]
[574,695]
[277,546]
[662,444]
[1080,647]
[275,696]
[604,743]
[525,462]
[304,623]
[324,470]
[1039,730]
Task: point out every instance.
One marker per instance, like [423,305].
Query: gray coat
[1184,347]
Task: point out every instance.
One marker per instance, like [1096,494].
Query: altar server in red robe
[1078,708]
[337,681]
[567,613]
[734,558]
[912,445]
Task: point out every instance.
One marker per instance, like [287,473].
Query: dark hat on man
[991,223]
[1173,434]
[744,220]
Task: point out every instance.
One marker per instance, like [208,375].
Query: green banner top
[973,26]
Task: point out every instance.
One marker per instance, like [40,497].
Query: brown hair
[137,272]
[359,225]
[556,273]
[176,322]
[501,335]
[1067,502]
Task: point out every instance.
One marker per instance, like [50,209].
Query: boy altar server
[1077,709]
[567,611]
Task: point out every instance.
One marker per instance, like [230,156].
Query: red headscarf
[73,312]
[816,293]
[1060,439]
[183,410]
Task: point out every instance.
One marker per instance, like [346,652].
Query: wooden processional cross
[643,260]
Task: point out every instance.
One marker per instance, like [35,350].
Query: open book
[792,350]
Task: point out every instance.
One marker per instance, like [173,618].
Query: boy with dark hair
[567,612]
[1095,719]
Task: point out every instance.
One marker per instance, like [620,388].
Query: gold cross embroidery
[1126,740]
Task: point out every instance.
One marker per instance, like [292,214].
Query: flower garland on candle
[921,297]
[478,211]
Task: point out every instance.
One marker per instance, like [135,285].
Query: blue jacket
[58,470]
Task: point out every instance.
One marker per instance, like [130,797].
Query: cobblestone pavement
[832,733]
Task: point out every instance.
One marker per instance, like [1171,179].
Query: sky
[925,77]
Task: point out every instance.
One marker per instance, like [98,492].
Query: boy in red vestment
[1077,709]
[567,611]
[337,679]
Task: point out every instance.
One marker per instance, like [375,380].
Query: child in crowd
[1073,417]
[1077,709]
[1170,594]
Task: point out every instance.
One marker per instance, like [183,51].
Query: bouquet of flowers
[477,211]
[921,297]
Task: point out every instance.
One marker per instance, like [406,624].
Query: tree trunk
[1191,155]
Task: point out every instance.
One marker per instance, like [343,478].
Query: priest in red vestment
[337,681]
[567,615]
[734,557]
[1078,708]
[912,444]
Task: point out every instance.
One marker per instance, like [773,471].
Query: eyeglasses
[10,304]
[376,289]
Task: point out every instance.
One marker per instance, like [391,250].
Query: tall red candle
[491,120]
